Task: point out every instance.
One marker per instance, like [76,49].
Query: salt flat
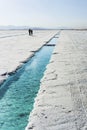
[17,46]
[61,103]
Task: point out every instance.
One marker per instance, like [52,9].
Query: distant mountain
[12,27]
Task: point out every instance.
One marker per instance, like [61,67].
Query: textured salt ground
[17,46]
[61,103]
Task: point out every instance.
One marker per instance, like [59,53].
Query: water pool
[18,92]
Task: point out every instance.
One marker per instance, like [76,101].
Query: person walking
[30,32]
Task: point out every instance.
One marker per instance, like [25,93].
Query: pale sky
[44,13]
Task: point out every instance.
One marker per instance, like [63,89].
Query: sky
[44,13]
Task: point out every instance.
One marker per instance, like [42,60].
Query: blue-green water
[18,92]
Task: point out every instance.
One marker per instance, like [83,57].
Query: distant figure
[30,32]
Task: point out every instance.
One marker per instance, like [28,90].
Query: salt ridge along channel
[17,93]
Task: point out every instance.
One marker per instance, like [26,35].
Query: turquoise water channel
[19,90]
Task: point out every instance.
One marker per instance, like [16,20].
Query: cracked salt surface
[15,50]
[18,92]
